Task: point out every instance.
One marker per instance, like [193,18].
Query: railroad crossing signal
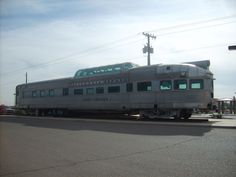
[147,48]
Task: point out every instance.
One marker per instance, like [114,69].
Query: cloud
[11,8]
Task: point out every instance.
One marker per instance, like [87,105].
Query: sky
[53,39]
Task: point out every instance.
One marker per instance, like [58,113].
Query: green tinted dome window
[104,70]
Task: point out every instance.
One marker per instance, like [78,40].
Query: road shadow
[105,125]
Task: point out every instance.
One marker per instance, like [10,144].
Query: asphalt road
[79,148]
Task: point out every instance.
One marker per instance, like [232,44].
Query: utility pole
[147,48]
[26,78]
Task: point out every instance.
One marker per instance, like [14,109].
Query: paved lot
[66,147]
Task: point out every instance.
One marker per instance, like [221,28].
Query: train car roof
[192,67]
[46,81]
[104,70]
[197,68]
[202,64]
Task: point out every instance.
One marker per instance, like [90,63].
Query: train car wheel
[177,117]
[187,116]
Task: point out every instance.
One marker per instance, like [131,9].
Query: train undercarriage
[175,113]
[141,114]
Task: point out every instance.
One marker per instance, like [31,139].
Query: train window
[99,90]
[129,87]
[78,91]
[34,93]
[196,84]
[46,93]
[65,91]
[165,85]
[89,91]
[42,93]
[114,89]
[180,84]
[51,92]
[144,86]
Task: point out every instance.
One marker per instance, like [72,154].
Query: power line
[179,51]
[85,52]
[193,23]
[193,49]
[22,78]
[196,28]
[88,51]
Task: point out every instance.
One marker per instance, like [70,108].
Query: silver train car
[174,90]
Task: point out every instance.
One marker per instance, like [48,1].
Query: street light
[232,47]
